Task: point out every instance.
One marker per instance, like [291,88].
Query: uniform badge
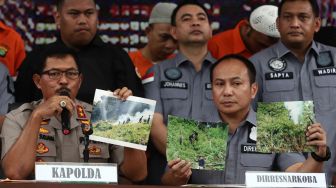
[173,73]
[324,60]
[80,112]
[41,148]
[277,64]
[253,133]
[43,130]
[45,122]
[3,51]
[94,150]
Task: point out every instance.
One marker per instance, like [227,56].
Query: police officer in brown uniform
[34,131]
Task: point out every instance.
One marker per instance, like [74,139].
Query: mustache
[63,91]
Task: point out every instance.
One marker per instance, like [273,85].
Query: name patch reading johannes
[170,84]
[279,75]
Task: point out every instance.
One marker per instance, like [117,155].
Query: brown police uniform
[52,144]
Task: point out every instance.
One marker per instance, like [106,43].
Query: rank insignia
[80,112]
[3,51]
[41,148]
[45,122]
[94,150]
[277,64]
[173,73]
[43,130]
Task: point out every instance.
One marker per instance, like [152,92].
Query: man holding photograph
[297,68]
[233,89]
[34,131]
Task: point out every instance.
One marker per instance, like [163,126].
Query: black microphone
[65,116]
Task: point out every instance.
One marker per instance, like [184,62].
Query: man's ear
[57,18]
[254,90]
[37,79]
[173,32]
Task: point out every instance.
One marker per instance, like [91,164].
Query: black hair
[53,51]
[60,3]
[313,3]
[184,3]
[248,64]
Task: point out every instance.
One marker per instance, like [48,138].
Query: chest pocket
[325,92]
[278,90]
[174,93]
[98,152]
[254,162]
[46,145]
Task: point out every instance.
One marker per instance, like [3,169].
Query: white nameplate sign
[282,179]
[76,172]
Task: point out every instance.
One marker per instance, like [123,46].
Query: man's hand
[178,174]
[123,93]
[316,136]
[52,107]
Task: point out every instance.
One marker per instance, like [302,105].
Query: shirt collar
[96,41]
[282,50]
[180,59]
[250,118]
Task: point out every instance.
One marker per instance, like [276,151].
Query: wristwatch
[321,159]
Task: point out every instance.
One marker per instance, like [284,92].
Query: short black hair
[313,3]
[184,3]
[248,64]
[53,51]
[60,3]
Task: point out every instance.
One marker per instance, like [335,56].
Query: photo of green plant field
[282,126]
[201,143]
[126,123]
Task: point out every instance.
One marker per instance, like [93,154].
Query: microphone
[65,116]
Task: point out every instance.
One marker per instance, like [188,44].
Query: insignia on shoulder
[173,73]
[41,148]
[43,130]
[277,64]
[80,112]
[94,150]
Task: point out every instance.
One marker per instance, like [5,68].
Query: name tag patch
[325,71]
[177,85]
[279,75]
[245,148]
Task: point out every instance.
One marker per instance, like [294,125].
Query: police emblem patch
[277,64]
[173,73]
[324,60]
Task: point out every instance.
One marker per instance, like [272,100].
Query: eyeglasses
[57,74]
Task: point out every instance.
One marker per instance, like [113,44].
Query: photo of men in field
[201,143]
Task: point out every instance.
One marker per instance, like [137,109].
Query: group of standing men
[190,84]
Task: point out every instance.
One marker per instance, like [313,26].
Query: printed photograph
[125,123]
[282,126]
[201,143]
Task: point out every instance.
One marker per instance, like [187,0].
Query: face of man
[297,24]
[231,88]
[192,25]
[53,86]
[77,21]
[160,42]
[259,41]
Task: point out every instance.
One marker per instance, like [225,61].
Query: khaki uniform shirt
[52,144]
